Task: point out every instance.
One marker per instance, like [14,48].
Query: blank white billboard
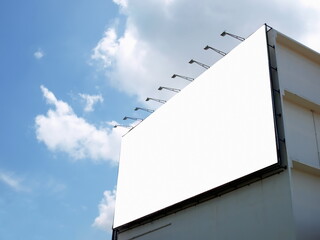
[216,130]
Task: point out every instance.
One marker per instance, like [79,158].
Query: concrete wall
[299,75]
[302,133]
[258,211]
[299,71]
[306,202]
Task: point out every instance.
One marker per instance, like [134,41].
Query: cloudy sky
[70,70]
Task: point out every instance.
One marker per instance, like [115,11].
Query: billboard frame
[276,168]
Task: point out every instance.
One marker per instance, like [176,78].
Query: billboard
[217,129]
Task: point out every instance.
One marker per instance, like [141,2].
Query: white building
[234,155]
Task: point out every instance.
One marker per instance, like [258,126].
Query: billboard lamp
[199,63]
[170,89]
[216,50]
[132,118]
[156,100]
[123,126]
[144,109]
[184,77]
[224,33]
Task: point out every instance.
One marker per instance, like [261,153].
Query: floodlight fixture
[132,118]
[156,100]
[224,33]
[170,89]
[199,63]
[184,77]
[123,126]
[216,50]
[144,109]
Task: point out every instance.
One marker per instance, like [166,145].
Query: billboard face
[216,130]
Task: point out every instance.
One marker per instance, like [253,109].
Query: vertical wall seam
[316,136]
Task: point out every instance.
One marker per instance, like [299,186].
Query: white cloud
[312,35]
[106,48]
[62,130]
[90,101]
[12,181]
[121,3]
[161,36]
[106,211]
[38,54]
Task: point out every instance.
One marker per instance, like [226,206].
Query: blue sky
[72,69]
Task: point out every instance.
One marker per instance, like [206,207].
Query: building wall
[261,211]
[299,74]
[306,202]
[302,133]
[302,126]
[299,71]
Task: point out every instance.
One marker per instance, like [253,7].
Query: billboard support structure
[243,180]
[276,97]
